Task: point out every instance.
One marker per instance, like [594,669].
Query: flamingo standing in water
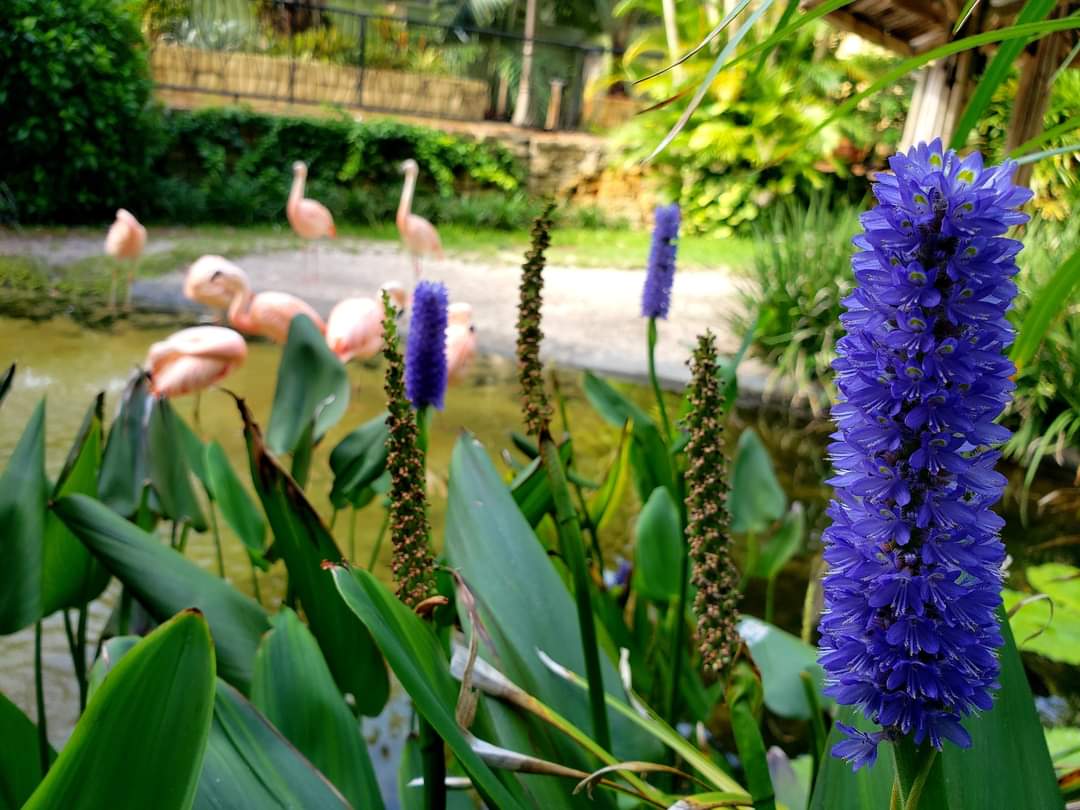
[192,359]
[205,282]
[267,314]
[310,219]
[355,326]
[460,341]
[418,235]
[125,241]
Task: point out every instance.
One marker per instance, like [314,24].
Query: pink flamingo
[310,219]
[420,237]
[125,241]
[205,282]
[267,314]
[460,341]
[355,326]
[192,359]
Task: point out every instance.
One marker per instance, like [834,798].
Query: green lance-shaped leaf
[304,543]
[23,494]
[70,575]
[141,741]
[743,696]
[312,386]
[658,547]
[1046,305]
[358,460]
[419,662]
[170,474]
[124,474]
[20,762]
[293,687]
[531,489]
[248,765]
[781,658]
[783,545]
[649,459]
[756,498]
[239,511]
[1008,764]
[164,582]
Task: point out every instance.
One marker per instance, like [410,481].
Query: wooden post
[1032,96]
[554,104]
[521,105]
[501,98]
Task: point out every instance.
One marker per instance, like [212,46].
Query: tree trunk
[521,106]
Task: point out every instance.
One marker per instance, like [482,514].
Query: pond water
[69,365]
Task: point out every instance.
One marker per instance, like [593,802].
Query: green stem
[379,540]
[573,552]
[651,339]
[80,651]
[217,541]
[894,799]
[333,518]
[352,533]
[123,620]
[752,553]
[677,636]
[79,664]
[586,518]
[818,734]
[255,581]
[434,758]
[39,686]
[184,537]
[913,767]
[770,599]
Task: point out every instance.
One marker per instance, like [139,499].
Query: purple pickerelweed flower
[656,297]
[425,351]
[910,630]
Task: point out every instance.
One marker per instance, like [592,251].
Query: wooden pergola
[911,27]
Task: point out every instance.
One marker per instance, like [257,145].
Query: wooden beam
[856,25]
[1032,96]
[931,11]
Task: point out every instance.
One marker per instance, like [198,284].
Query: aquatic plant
[536,409]
[910,629]
[413,564]
[707,528]
[660,273]
[425,350]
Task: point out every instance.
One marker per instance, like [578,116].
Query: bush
[800,275]
[75,121]
[234,166]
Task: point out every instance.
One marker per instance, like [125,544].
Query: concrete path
[591,316]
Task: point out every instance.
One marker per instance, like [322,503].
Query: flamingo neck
[238,309]
[405,206]
[296,193]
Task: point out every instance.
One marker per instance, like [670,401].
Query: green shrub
[800,275]
[74,120]
[234,166]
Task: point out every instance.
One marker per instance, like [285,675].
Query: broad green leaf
[20,760]
[1008,764]
[141,741]
[1064,746]
[123,473]
[70,576]
[658,548]
[523,602]
[649,458]
[293,687]
[239,511]
[312,385]
[194,449]
[1049,627]
[418,661]
[303,542]
[996,72]
[24,491]
[1061,581]
[783,545]
[781,657]
[165,582]
[358,460]
[756,498]
[1046,305]
[170,474]
[248,765]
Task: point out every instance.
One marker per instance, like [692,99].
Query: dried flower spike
[425,350]
[660,274]
[413,564]
[535,405]
[714,577]
[910,631]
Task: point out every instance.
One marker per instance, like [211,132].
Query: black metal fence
[304,52]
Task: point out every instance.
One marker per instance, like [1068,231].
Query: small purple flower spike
[425,351]
[660,275]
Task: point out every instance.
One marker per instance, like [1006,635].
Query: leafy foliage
[76,124]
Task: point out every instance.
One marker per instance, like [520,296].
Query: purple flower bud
[425,352]
[910,630]
[656,297]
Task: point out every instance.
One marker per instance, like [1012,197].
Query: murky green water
[69,365]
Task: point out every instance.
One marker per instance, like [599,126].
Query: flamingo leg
[416,268]
[112,286]
[132,266]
